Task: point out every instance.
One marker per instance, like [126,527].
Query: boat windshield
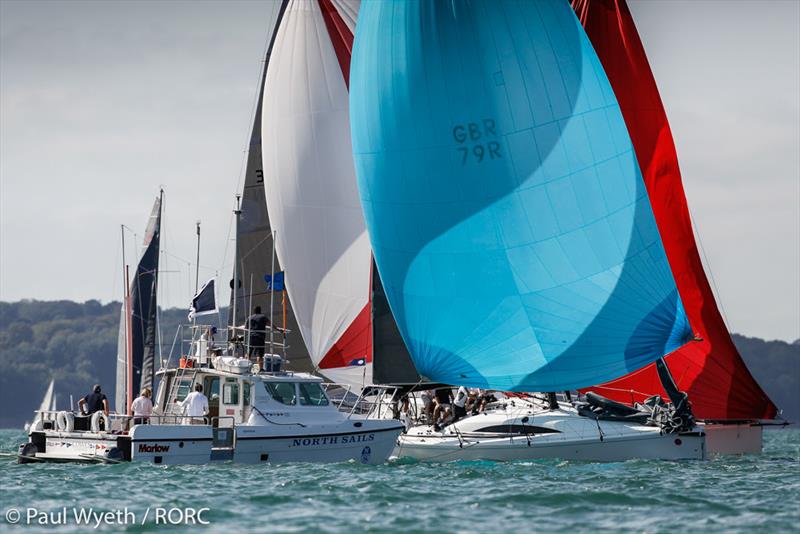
[311,394]
[283,392]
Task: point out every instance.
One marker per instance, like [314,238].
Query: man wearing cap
[94,402]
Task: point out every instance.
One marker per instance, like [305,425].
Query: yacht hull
[687,446]
[523,431]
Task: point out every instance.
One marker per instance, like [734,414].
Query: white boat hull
[651,446]
[372,446]
[523,431]
[372,443]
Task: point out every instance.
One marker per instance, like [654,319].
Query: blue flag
[277,285]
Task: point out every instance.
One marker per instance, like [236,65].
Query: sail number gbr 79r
[478,141]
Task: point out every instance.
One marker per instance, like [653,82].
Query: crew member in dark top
[257,325]
[442,399]
[94,402]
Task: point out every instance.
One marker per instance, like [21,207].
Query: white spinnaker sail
[321,238]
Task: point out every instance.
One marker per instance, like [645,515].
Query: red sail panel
[711,371]
[354,345]
[356,342]
[341,37]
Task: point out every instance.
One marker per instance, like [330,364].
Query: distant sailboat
[48,403]
[136,344]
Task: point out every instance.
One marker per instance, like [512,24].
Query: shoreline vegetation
[76,344]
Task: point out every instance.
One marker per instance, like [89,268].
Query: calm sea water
[749,493]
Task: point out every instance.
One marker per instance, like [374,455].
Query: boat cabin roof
[283,376]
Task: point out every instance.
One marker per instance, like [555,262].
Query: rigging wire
[248,132]
[717,295]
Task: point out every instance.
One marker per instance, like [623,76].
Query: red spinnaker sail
[711,371]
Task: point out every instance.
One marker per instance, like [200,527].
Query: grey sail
[144,305]
[255,245]
[391,362]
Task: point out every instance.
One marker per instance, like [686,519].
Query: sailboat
[722,390]
[48,404]
[136,344]
[510,223]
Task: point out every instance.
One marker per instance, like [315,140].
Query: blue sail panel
[507,213]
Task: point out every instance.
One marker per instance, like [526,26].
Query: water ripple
[723,494]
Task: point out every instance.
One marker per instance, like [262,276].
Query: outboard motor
[27,453]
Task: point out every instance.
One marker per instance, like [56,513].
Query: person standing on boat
[441,412]
[460,403]
[142,407]
[94,402]
[257,325]
[195,405]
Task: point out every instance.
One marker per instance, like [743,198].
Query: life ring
[96,416]
[65,421]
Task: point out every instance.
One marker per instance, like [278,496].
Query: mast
[237,212]
[272,298]
[129,343]
[123,380]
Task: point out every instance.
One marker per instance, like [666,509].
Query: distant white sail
[48,403]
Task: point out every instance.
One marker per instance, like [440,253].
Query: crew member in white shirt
[142,407]
[459,404]
[195,405]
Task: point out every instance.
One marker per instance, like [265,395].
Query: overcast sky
[101,103]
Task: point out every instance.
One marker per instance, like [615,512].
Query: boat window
[282,392]
[211,390]
[246,393]
[230,393]
[184,385]
[311,394]
[518,429]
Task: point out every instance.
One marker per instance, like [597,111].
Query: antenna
[237,212]
[197,265]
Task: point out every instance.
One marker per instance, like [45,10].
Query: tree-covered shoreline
[76,344]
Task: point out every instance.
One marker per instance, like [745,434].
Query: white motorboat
[253,418]
[531,428]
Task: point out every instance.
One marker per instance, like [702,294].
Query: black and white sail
[143,306]
[255,254]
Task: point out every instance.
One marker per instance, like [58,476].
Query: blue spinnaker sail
[507,213]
